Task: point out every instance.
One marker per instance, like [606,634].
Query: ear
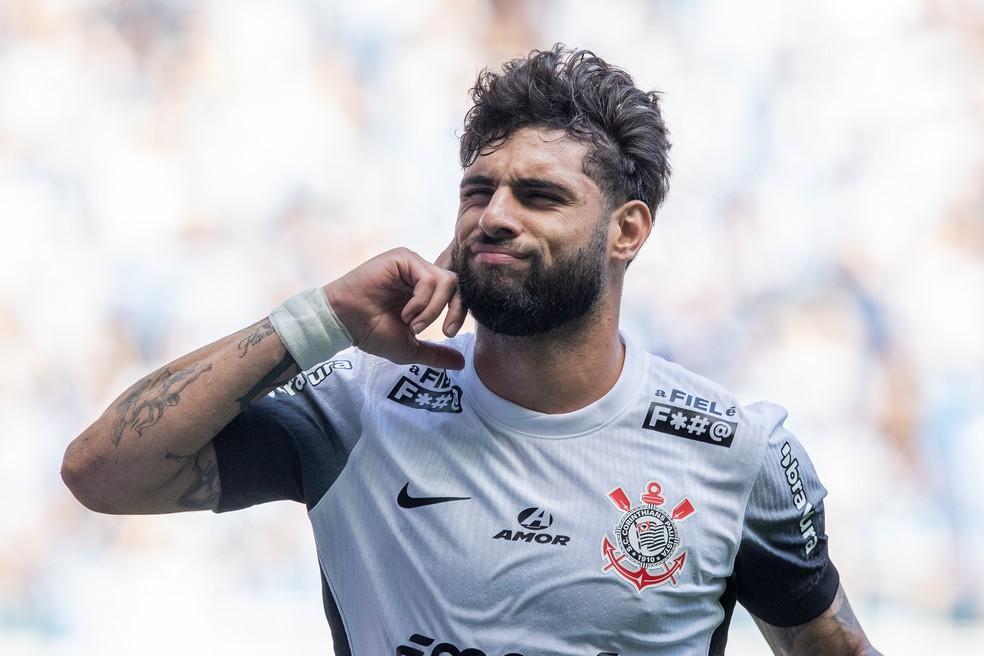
[633,223]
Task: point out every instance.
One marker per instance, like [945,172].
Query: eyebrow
[521,184]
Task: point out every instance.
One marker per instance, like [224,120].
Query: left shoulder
[704,403]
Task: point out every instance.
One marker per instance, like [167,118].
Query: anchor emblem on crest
[646,539]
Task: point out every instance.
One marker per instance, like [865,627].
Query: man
[540,487]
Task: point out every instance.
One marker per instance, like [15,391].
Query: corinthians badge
[647,538]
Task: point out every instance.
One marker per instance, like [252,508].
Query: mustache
[461,248]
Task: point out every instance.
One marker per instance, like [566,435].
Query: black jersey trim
[339,635]
[719,639]
[810,605]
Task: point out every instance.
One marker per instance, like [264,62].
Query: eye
[542,197]
[472,194]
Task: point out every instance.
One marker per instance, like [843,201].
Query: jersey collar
[508,416]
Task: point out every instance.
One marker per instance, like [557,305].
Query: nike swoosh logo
[407,501]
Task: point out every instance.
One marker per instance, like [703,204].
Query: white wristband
[309,328]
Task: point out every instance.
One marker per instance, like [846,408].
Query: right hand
[385,302]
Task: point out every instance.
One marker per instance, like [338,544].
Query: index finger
[444,260]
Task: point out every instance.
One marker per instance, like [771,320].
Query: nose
[500,218]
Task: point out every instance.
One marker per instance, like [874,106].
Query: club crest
[646,539]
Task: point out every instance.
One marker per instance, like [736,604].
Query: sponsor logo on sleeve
[432,391]
[790,466]
[313,377]
[645,545]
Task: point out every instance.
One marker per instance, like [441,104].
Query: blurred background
[171,170]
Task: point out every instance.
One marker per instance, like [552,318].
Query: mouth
[491,254]
[496,258]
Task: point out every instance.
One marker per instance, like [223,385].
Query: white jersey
[449,521]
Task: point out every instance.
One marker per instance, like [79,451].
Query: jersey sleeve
[783,574]
[294,442]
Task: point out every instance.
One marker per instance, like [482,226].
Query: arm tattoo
[273,378]
[203,490]
[144,405]
[263,330]
[836,632]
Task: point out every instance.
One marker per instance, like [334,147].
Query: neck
[560,371]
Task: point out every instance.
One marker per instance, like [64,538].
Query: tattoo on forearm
[836,631]
[203,490]
[144,405]
[273,378]
[262,330]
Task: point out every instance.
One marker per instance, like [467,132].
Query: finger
[438,356]
[456,314]
[423,290]
[445,260]
[446,286]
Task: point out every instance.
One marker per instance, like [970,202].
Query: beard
[546,299]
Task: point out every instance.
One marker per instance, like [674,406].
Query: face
[531,247]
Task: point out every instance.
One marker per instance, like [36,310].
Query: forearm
[151,451]
[152,432]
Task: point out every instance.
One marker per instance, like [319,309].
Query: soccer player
[543,486]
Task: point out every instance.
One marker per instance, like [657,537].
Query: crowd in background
[171,170]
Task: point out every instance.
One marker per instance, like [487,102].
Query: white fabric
[309,328]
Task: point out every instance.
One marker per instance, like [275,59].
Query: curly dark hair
[593,102]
